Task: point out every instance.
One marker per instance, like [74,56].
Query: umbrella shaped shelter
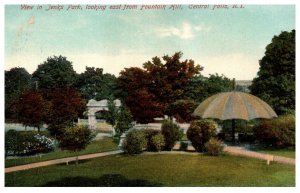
[234,105]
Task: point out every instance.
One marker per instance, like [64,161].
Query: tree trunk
[233,131]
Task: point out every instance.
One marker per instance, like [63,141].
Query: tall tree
[275,81]
[66,106]
[32,109]
[201,87]
[149,91]
[17,80]
[93,84]
[56,72]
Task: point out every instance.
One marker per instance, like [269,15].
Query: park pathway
[229,149]
[59,161]
[268,157]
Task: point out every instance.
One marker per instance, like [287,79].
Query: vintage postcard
[149,95]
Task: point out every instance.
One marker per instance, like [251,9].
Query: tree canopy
[275,81]
[148,91]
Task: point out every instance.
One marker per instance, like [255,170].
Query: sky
[224,41]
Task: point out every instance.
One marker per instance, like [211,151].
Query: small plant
[200,132]
[214,147]
[157,142]
[135,142]
[171,133]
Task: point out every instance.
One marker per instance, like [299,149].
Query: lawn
[159,170]
[105,144]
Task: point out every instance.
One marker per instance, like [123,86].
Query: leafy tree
[93,84]
[32,109]
[17,80]
[275,81]
[182,110]
[56,72]
[199,87]
[75,138]
[66,106]
[149,91]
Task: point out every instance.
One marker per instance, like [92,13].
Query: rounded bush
[149,133]
[214,147]
[135,142]
[200,132]
[157,142]
[171,133]
[279,132]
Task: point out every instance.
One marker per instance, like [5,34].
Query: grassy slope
[96,146]
[279,152]
[159,170]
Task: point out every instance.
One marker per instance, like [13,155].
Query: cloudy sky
[225,41]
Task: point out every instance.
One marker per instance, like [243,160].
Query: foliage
[119,117]
[275,81]
[32,109]
[27,143]
[154,87]
[214,147]
[135,142]
[154,144]
[200,132]
[75,138]
[171,133]
[56,72]
[157,142]
[279,132]
[124,120]
[182,110]
[17,80]
[199,87]
[93,84]
[66,106]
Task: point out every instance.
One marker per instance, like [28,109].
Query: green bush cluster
[279,132]
[171,133]
[135,142]
[19,143]
[214,147]
[200,132]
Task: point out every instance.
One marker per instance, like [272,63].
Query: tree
[75,138]
[17,80]
[66,106]
[275,81]
[199,87]
[32,109]
[56,72]
[93,84]
[182,110]
[149,91]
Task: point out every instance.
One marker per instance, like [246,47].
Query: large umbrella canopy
[234,105]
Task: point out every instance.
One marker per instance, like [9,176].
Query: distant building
[243,85]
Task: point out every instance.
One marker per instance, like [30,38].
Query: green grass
[159,170]
[105,144]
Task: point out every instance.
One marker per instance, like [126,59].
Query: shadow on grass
[106,180]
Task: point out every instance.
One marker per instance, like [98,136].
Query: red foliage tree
[32,109]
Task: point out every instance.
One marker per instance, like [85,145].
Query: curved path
[229,149]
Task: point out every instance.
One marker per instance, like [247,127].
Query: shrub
[135,142]
[200,132]
[157,142]
[279,132]
[149,133]
[214,147]
[171,134]
[27,143]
